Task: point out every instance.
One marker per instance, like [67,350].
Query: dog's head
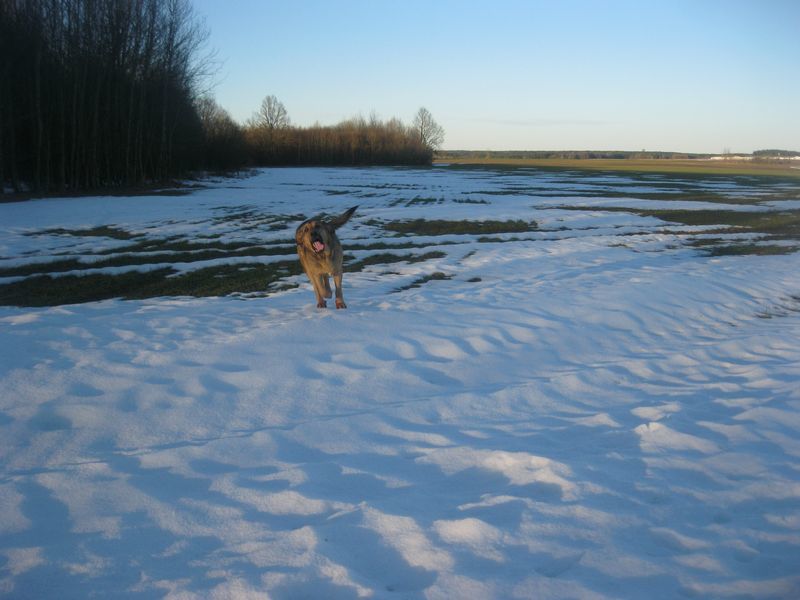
[318,234]
[314,234]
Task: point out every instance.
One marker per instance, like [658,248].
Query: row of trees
[97,93]
[272,140]
[568,154]
[776,154]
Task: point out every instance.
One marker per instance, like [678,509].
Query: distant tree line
[775,154]
[567,154]
[97,93]
[272,140]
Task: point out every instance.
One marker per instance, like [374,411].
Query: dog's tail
[343,218]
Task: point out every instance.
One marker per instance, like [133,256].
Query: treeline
[97,92]
[775,154]
[269,141]
[352,142]
[567,154]
[103,93]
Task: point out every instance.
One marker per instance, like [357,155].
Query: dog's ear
[343,218]
[298,233]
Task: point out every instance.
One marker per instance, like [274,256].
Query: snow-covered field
[594,409]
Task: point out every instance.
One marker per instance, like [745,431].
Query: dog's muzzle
[317,244]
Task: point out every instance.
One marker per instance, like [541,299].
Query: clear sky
[680,75]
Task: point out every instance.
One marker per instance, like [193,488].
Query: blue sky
[694,75]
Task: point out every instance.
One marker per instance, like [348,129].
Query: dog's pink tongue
[318,246]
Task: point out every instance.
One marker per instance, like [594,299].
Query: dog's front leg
[319,291]
[337,280]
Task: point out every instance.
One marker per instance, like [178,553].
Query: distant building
[731,157]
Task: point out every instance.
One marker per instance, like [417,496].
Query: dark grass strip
[386,258]
[128,260]
[435,276]
[102,231]
[220,280]
[442,227]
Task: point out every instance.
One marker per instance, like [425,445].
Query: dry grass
[650,165]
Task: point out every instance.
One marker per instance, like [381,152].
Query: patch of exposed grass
[101,231]
[180,244]
[470,201]
[782,308]
[251,218]
[689,195]
[39,268]
[222,280]
[394,246]
[485,239]
[684,167]
[219,280]
[777,223]
[191,253]
[749,250]
[386,258]
[45,290]
[766,227]
[435,276]
[442,227]
[674,192]
[420,200]
[757,221]
[174,188]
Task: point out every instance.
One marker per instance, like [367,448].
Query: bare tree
[268,131]
[272,115]
[430,132]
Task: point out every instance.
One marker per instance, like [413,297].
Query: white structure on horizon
[731,157]
[750,157]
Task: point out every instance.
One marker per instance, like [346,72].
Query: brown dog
[321,255]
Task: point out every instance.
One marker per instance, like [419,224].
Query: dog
[321,253]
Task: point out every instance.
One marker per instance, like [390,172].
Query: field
[787,169]
[244,250]
[549,383]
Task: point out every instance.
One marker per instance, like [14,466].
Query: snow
[605,414]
